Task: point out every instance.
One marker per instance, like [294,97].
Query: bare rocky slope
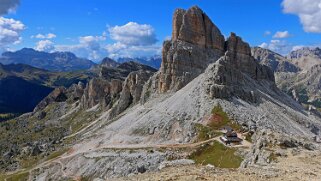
[298,74]
[146,121]
[275,61]
[306,57]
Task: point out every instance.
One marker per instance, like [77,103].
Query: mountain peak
[195,27]
[108,62]
[197,42]
[57,61]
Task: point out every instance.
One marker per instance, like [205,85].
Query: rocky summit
[195,43]
[211,107]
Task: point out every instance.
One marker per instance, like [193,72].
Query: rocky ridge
[276,62]
[300,82]
[306,57]
[57,61]
[199,71]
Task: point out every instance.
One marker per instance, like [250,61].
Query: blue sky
[89,27]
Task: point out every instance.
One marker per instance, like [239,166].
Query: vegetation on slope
[218,155]
[220,119]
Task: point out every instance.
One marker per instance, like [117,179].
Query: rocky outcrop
[304,86]
[57,95]
[195,27]
[229,75]
[195,43]
[124,81]
[275,61]
[108,62]
[131,91]
[100,91]
[306,57]
[122,71]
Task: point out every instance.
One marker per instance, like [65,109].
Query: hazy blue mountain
[57,61]
[154,61]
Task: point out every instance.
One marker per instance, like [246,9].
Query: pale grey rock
[306,57]
[275,61]
[131,91]
[100,91]
[195,43]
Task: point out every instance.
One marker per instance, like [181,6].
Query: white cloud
[281,34]
[42,36]
[7,6]
[133,34]
[279,46]
[267,33]
[51,35]
[264,45]
[45,45]
[88,47]
[297,47]
[121,50]
[10,30]
[130,40]
[309,12]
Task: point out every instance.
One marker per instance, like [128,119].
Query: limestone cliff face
[194,26]
[229,76]
[131,91]
[100,91]
[57,95]
[275,61]
[116,84]
[195,43]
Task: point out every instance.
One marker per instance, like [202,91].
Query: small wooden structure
[230,136]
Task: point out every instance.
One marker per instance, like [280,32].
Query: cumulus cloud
[42,36]
[88,46]
[281,34]
[45,45]
[129,40]
[7,6]
[10,30]
[133,34]
[279,46]
[309,12]
[117,50]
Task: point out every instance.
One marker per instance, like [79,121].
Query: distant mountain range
[66,61]
[275,61]
[154,61]
[57,61]
[306,57]
[298,74]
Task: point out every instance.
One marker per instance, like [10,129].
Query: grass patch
[205,132]
[218,155]
[56,154]
[29,163]
[21,176]
[220,119]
